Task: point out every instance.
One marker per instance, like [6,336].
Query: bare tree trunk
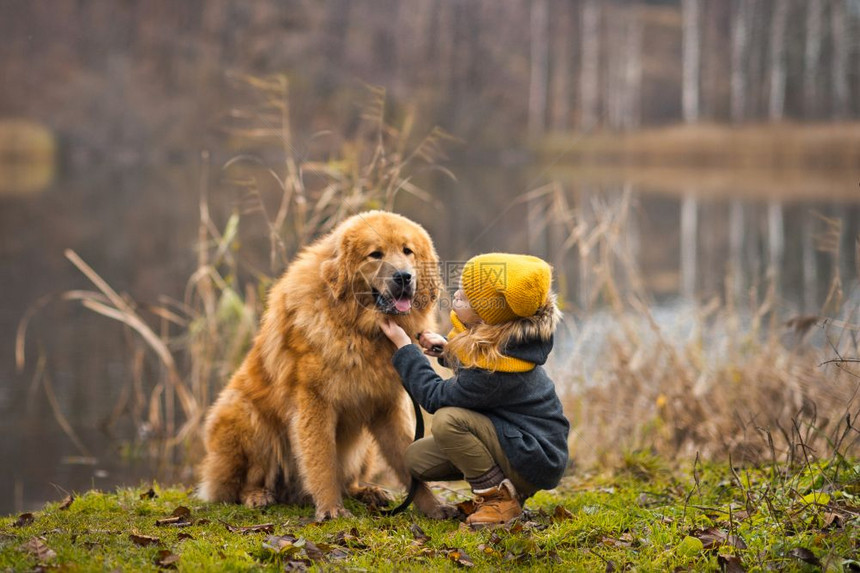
[615,65]
[691,60]
[776,101]
[539,41]
[839,24]
[736,244]
[633,71]
[775,241]
[740,42]
[811,57]
[559,108]
[810,265]
[689,242]
[690,104]
[589,76]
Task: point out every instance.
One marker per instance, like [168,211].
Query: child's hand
[432,343]
[394,333]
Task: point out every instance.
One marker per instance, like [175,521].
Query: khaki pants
[464,445]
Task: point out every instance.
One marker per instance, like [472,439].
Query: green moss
[651,521]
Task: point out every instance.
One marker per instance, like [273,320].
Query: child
[498,422]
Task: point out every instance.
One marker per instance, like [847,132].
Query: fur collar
[485,344]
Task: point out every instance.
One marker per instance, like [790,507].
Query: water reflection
[137,228]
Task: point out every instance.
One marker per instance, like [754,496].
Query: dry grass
[196,343]
[727,379]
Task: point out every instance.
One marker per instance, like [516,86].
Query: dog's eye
[407,251]
[376,255]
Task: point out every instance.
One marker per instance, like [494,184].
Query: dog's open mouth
[389,303]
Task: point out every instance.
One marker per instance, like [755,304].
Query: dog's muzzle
[398,294]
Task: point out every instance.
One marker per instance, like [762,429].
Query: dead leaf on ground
[261,528]
[805,555]
[36,546]
[418,534]
[730,564]
[67,502]
[148,494]
[714,538]
[143,540]
[560,514]
[459,557]
[181,517]
[24,519]
[183,536]
[166,559]
[349,539]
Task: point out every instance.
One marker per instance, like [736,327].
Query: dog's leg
[313,433]
[391,433]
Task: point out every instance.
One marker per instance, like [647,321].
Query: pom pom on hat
[503,286]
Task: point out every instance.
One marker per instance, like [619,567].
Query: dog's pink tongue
[403,305]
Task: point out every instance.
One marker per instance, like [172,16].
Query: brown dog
[299,418]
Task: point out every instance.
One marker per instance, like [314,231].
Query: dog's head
[385,262]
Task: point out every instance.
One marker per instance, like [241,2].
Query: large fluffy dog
[298,420]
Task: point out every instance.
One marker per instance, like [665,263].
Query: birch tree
[589,68]
[690,104]
[539,76]
[776,100]
[740,41]
[811,57]
[691,60]
[839,69]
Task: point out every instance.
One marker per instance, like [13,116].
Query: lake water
[137,227]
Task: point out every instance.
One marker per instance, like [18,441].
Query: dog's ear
[334,273]
[429,277]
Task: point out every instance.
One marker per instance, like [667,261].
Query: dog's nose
[402,278]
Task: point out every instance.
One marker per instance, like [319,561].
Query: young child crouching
[498,422]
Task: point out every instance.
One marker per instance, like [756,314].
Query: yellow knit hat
[502,287]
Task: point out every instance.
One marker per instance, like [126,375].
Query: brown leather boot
[495,506]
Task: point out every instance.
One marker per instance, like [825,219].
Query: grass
[643,517]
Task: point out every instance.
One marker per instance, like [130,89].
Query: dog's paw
[332,513]
[258,498]
[442,511]
[369,495]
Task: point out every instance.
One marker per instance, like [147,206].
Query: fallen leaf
[282,544]
[149,494]
[714,538]
[460,557]
[730,564]
[143,540]
[261,528]
[816,498]
[24,519]
[36,546]
[560,514]
[418,534]
[832,520]
[67,502]
[349,539]
[166,559]
[183,536]
[689,547]
[311,550]
[181,517]
[805,555]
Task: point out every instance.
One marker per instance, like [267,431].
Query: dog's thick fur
[298,421]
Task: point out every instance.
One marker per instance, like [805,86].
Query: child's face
[464,310]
